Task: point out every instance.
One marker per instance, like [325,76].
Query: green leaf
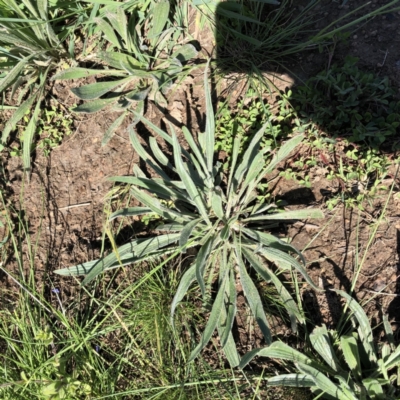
[13,74]
[17,42]
[288,215]
[144,155]
[249,155]
[158,153]
[212,320]
[252,296]
[278,256]
[284,152]
[113,127]
[351,355]
[216,204]
[188,277]
[192,190]
[95,90]
[364,329]
[119,22]
[78,73]
[272,241]
[229,310]
[291,380]
[268,276]
[160,14]
[324,383]
[185,53]
[108,32]
[125,62]
[93,106]
[144,249]
[210,124]
[130,212]
[277,350]
[155,205]
[28,135]
[374,389]
[202,259]
[321,342]
[16,117]
[195,149]
[187,231]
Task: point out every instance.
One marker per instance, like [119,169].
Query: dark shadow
[253,37]
[298,196]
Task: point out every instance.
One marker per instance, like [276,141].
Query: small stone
[373,33]
[355,36]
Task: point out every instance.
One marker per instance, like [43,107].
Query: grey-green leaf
[96,90]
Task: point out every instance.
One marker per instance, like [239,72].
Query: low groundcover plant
[352,367]
[217,214]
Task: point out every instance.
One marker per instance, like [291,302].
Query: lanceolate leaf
[268,275]
[272,241]
[294,380]
[284,152]
[185,52]
[230,312]
[17,116]
[252,296]
[96,90]
[324,383]
[321,342]
[288,215]
[194,193]
[93,106]
[188,277]
[28,137]
[122,61]
[187,230]
[351,355]
[160,17]
[210,125]
[201,261]
[112,128]
[78,73]
[278,256]
[13,74]
[151,202]
[212,321]
[142,250]
[108,31]
[130,212]
[364,330]
[119,23]
[278,350]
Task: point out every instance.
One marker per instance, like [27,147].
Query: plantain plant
[31,46]
[139,63]
[350,366]
[220,216]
